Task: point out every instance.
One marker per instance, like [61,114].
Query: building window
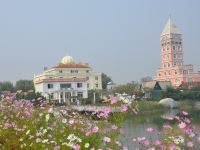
[175,72]
[97,85]
[88,85]
[87,71]
[79,85]
[74,71]
[65,86]
[96,77]
[80,94]
[60,71]
[87,78]
[50,86]
[168,65]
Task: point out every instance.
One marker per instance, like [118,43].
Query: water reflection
[136,125]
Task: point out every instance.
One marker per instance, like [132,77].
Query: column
[64,97]
[59,100]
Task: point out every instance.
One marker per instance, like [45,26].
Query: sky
[117,37]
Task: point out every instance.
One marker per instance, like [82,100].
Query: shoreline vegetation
[27,125]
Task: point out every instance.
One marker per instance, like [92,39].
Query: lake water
[136,125]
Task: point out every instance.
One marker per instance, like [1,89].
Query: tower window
[174,55]
[174,63]
[174,48]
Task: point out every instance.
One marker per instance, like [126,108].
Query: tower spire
[170,27]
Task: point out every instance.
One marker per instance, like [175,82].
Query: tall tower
[172,68]
[171,46]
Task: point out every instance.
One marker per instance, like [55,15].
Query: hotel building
[67,81]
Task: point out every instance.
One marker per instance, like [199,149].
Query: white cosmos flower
[87,145]
[64,120]
[27,132]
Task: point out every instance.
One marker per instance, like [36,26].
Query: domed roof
[67,60]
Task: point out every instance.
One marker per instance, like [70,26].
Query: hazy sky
[117,37]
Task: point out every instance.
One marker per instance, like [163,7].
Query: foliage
[129,88]
[105,80]
[146,79]
[177,94]
[28,95]
[149,106]
[24,85]
[6,86]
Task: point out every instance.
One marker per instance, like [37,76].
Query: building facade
[67,80]
[173,68]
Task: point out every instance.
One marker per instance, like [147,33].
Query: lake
[136,125]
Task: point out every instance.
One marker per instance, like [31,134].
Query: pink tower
[173,68]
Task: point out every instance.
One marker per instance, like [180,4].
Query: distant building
[67,81]
[110,85]
[173,68]
[153,89]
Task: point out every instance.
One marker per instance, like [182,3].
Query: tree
[129,88]
[146,79]
[24,85]
[6,86]
[105,80]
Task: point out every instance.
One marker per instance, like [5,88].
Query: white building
[67,81]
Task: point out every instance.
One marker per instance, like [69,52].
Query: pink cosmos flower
[123,108]
[157,142]
[88,133]
[113,101]
[185,113]
[166,126]
[190,144]
[146,142]
[106,139]
[114,127]
[77,147]
[106,110]
[95,129]
[149,129]
[182,125]
[177,118]
[172,147]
